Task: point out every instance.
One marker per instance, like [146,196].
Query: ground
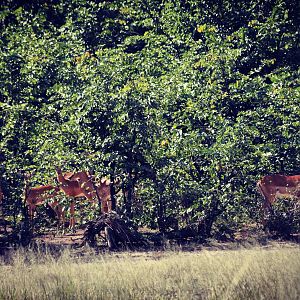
[247,237]
[67,239]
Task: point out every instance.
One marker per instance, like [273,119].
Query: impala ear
[29,175]
[57,168]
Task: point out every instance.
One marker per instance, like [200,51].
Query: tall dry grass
[232,274]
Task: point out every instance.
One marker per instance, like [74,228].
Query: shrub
[284,219]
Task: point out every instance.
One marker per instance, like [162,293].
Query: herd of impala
[81,184]
[73,185]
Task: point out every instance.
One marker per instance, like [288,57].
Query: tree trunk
[161,215]
[112,193]
[161,209]
[129,191]
[109,234]
[205,226]
[25,231]
[128,204]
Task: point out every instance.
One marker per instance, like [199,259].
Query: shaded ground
[247,237]
[243,240]
[68,239]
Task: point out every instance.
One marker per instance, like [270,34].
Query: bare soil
[66,239]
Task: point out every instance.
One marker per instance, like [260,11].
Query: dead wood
[119,232]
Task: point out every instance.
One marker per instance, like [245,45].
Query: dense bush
[191,102]
[284,219]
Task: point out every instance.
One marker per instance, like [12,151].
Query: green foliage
[284,219]
[190,102]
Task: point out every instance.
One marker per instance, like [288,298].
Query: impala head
[28,176]
[57,169]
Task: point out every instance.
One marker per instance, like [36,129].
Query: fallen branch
[119,233]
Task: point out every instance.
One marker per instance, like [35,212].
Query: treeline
[190,102]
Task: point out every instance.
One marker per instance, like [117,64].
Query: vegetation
[284,219]
[236,274]
[190,102]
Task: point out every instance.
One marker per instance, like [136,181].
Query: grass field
[257,273]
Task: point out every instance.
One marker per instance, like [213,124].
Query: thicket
[191,102]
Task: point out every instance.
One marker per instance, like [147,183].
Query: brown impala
[38,195]
[81,184]
[276,186]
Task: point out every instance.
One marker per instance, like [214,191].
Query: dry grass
[229,274]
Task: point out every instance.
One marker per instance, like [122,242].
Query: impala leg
[72,217]
[57,209]
[31,212]
[104,206]
[63,219]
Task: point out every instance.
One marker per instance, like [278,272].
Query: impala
[38,195]
[81,184]
[278,186]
